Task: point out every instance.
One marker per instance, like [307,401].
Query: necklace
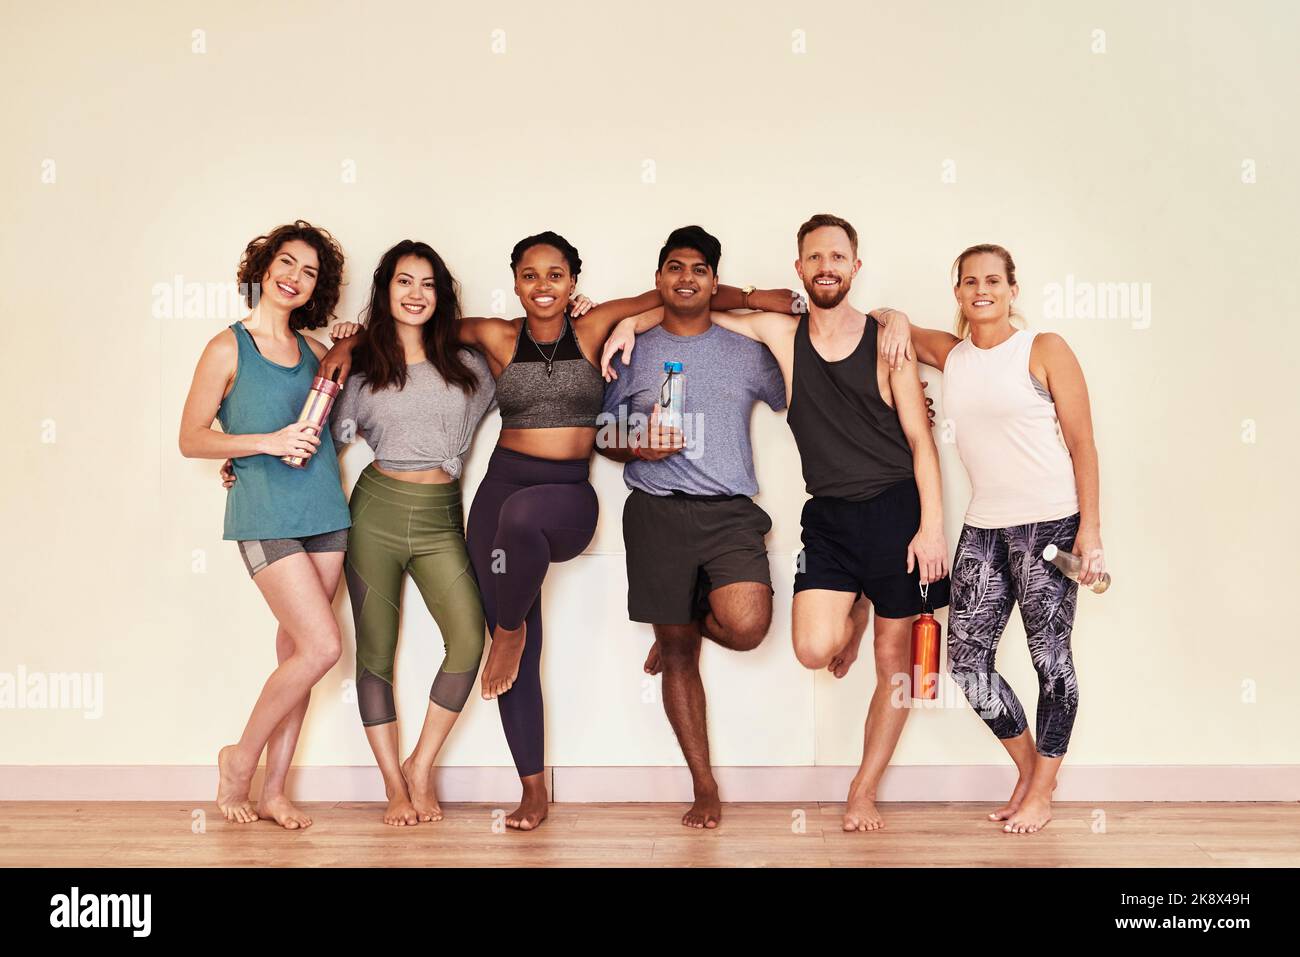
[550,360]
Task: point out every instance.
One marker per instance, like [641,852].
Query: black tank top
[851,442]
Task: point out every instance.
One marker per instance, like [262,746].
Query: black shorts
[861,547]
[679,548]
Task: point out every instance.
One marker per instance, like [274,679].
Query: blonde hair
[963,324]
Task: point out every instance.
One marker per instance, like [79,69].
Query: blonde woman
[1023,427]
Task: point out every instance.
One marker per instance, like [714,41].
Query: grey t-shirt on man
[726,373]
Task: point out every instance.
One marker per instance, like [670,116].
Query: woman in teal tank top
[272,500]
[291,524]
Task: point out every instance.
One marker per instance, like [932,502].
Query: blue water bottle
[672,397]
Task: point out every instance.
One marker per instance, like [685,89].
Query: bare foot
[278,808]
[531,812]
[400,811]
[419,783]
[1033,815]
[652,664]
[859,618]
[232,789]
[706,812]
[1013,802]
[860,811]
[503,661]
[842,662]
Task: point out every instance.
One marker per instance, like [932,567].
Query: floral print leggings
[995,568]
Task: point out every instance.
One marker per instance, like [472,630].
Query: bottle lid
[672,367]
[1049,553]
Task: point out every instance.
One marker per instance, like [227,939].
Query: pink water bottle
[315,411]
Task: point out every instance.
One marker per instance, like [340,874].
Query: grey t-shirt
[426,425]
[726,373]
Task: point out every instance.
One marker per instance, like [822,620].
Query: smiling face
[827,265]
[290,280]
[411,293]
[982,289]
[543,282]
[686,281]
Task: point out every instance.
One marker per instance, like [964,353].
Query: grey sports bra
[549,385]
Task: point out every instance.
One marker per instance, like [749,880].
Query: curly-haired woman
[291,523]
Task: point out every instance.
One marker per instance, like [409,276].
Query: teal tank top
[269,498]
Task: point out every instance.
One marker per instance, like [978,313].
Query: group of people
[571,377]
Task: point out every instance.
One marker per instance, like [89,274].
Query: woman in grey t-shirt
[416,396]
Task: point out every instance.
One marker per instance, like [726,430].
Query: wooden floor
[168,834]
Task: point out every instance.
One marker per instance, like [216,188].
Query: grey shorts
[258,553]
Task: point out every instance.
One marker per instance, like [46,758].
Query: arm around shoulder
[765,327]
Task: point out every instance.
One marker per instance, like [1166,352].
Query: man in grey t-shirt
[696,557]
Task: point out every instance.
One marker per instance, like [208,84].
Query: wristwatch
[747,290]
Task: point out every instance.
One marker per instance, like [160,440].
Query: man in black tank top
[873,529]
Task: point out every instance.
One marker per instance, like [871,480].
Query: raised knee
[749,637]
[515,520]
[814,651]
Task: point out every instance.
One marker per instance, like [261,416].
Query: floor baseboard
[672,784]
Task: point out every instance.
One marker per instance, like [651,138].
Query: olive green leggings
[404,528]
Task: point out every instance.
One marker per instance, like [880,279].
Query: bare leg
[273,802]
[684,703]
[1021,749]
[293,589]
[279,754]
[400,812]
[884,724]
[418,768]
[739,615]
[827,628]
[1036,809]
[856,627]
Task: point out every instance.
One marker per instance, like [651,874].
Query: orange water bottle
[926,635]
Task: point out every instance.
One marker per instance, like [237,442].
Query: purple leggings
[527,513]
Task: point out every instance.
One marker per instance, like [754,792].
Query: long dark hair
[381,358]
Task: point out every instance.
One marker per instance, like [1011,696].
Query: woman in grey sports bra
[535,505]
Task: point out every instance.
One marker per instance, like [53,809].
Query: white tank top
[1007,436]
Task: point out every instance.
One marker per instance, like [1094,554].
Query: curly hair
[253,265]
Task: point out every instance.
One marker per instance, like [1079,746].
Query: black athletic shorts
[679,548]
[861,547]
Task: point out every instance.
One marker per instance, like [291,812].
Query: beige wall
[1112,167]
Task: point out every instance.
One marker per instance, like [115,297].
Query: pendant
[548,370]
